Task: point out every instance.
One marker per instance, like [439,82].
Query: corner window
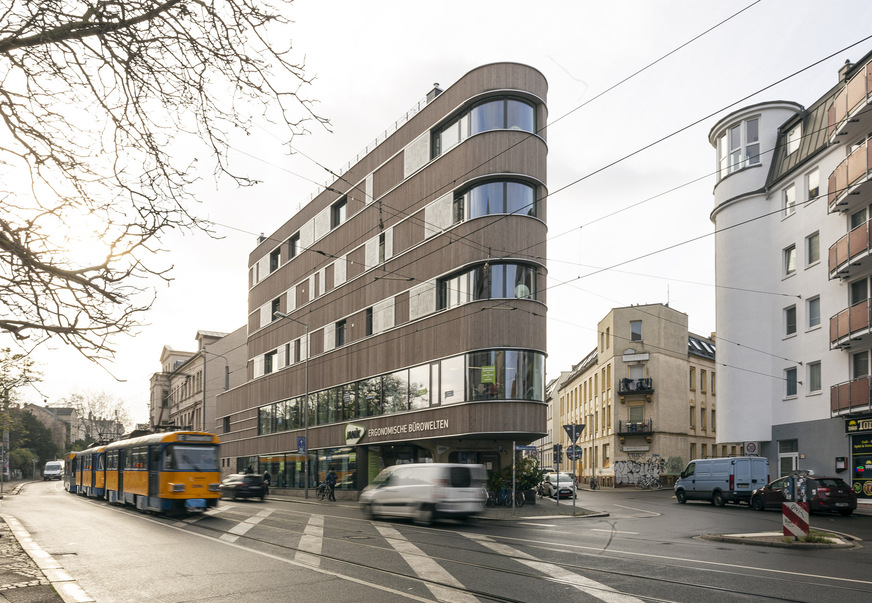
[790,321]
[500,197]
[790,382]
[738,147]
[789,200]
[812,249]
[338,212]
[814,312]
[635,330]
[790,260]
[488,281]
[492,114]
[814,377]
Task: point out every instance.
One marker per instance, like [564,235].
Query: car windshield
[564,477]
[179,457]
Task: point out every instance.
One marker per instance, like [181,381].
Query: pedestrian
[266,480]
[330,480]
[249,470]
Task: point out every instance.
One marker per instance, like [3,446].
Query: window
[860,365]
[692,416]
[789,200]
[790,260]
[368,321]
[340,333]
[275,306]
[813,180]
[690,467]
[488,281]
[636,414]
[635,330]
[226,424]
[858,218]
[738,147]
[269,362]
[790,382]
[703,378]
[492,114]
[702,419]
[812,249]
[713,383]
[338,212]
[692,378]
[814,312]
[858,292]
[814,377]
[294,246]
[381,248]
[790,321]
[498,197]
[793,138]
[274,260]
[713,427]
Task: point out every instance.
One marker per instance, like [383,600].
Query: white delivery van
[426,491]
[53,470]
[730,479]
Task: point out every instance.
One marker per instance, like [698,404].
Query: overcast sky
[372,61]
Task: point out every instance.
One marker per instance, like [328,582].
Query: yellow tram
[71,467]
[163,472]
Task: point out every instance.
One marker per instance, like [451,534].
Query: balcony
[850,328]
[628,387]
[850,255]
[845,116]
[851,397]
[849,186]
[629,428]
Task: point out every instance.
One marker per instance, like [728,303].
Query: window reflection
[488,281]
[492,114]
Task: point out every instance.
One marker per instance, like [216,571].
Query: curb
[65,586]
[772,539]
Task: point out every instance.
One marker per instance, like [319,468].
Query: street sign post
[573,453]
[574,431]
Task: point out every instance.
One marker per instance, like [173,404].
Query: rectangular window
[790,321]
[269,362]
[226,424]
[790,382]
[340,333]
[274,260]
[790,260]
[635,330]
[814,377]
[338,212]
[692,378]
[368,321]
[812,249]
[789,200]
[276,306]
[381,248]
[713,383]
[703,378]
[858,218]
[692,416]
[692,451]
[713,427]
[793,138]
[294,246]
[814,312]
[702,419]
[860,364]
[459,208]
[704,451]
[859,292]
[814,183]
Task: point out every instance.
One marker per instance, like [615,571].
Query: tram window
[191,458]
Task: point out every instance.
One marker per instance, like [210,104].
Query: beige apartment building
[647,398]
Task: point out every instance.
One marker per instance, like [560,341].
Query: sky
[628,215]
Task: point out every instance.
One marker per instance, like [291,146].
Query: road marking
[244,526]
[586,585]
[539,525]
[311,542]
[652,513]
[613,531]
[426,568]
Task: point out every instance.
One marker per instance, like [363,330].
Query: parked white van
[426,491]
[53,470]
[730,479]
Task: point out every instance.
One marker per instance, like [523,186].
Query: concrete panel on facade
[438,215]
[416,154]
[422,299]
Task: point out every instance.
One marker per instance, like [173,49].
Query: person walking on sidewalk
[331,484]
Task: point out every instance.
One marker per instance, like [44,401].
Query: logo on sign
[353,433]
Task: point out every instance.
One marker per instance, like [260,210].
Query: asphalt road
[647,548]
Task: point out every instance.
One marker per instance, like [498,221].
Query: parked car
[566,483]
[242,485]
[53,470]
[426,491]
[723,480]
[825,494]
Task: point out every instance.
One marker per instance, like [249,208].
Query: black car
[824,494]
[243,485]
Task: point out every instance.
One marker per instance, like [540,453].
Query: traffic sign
[574,431]
[573,453]
[527,448]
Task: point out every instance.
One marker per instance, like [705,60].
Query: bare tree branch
[100,102]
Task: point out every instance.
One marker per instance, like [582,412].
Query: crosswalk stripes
[426,568]
[309,548]
[233,534]
[586,585]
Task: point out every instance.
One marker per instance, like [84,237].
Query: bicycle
[594,483]
[491,500]
[505,497]
[648,482]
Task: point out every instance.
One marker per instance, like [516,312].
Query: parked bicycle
[648,482]
[505,497]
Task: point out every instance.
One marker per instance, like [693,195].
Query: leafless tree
[101,416]
[100,102]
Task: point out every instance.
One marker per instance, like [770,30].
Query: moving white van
[718,481]
[53,470]
[426,491]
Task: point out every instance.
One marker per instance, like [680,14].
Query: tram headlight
[178,487]
[214,488]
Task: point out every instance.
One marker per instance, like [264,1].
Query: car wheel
[845,512]
[718,499]
[367,511]
[757,503]
[424,516]
[681,496]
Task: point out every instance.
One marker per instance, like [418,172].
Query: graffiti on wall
[630,472]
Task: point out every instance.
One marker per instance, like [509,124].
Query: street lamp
[305,402]
[204,351]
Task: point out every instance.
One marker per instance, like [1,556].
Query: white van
[426,491]
[53,470]
[731,479]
